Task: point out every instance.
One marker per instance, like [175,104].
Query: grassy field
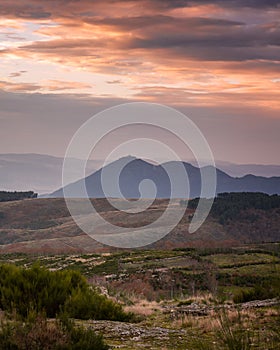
[183,298]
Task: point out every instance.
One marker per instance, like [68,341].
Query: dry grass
[271,312]
[211,322]
[144,307]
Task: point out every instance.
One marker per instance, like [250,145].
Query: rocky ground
[171,327]
[121,335]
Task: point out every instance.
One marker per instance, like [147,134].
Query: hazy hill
[37,172]
[238,170]
[137,170]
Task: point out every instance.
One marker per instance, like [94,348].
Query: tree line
[6,196]
[228,206]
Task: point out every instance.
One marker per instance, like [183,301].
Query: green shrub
[110,266]
[36,289]
[39,290]
[86,304]
[265,290]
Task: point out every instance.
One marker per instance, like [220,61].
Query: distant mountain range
[137,170]
[42,173]
[36,172]
[238,170]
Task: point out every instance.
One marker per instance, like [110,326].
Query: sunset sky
[218,62]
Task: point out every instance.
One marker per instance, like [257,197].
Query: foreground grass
[152,283]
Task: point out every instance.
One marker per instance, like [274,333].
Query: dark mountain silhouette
[137,170]
[42,173]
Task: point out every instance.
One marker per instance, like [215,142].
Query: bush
[265,290]
[86,304]
[36,289]
[39,334]
[80,338]
[39,290]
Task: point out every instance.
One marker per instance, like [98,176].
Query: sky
[218,62]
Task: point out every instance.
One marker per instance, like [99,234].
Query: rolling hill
[45,225]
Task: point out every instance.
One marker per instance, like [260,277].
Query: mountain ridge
[136,170]
[41,173]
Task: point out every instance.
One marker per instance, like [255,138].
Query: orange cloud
[180,52]
[49,85]
[18,87]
